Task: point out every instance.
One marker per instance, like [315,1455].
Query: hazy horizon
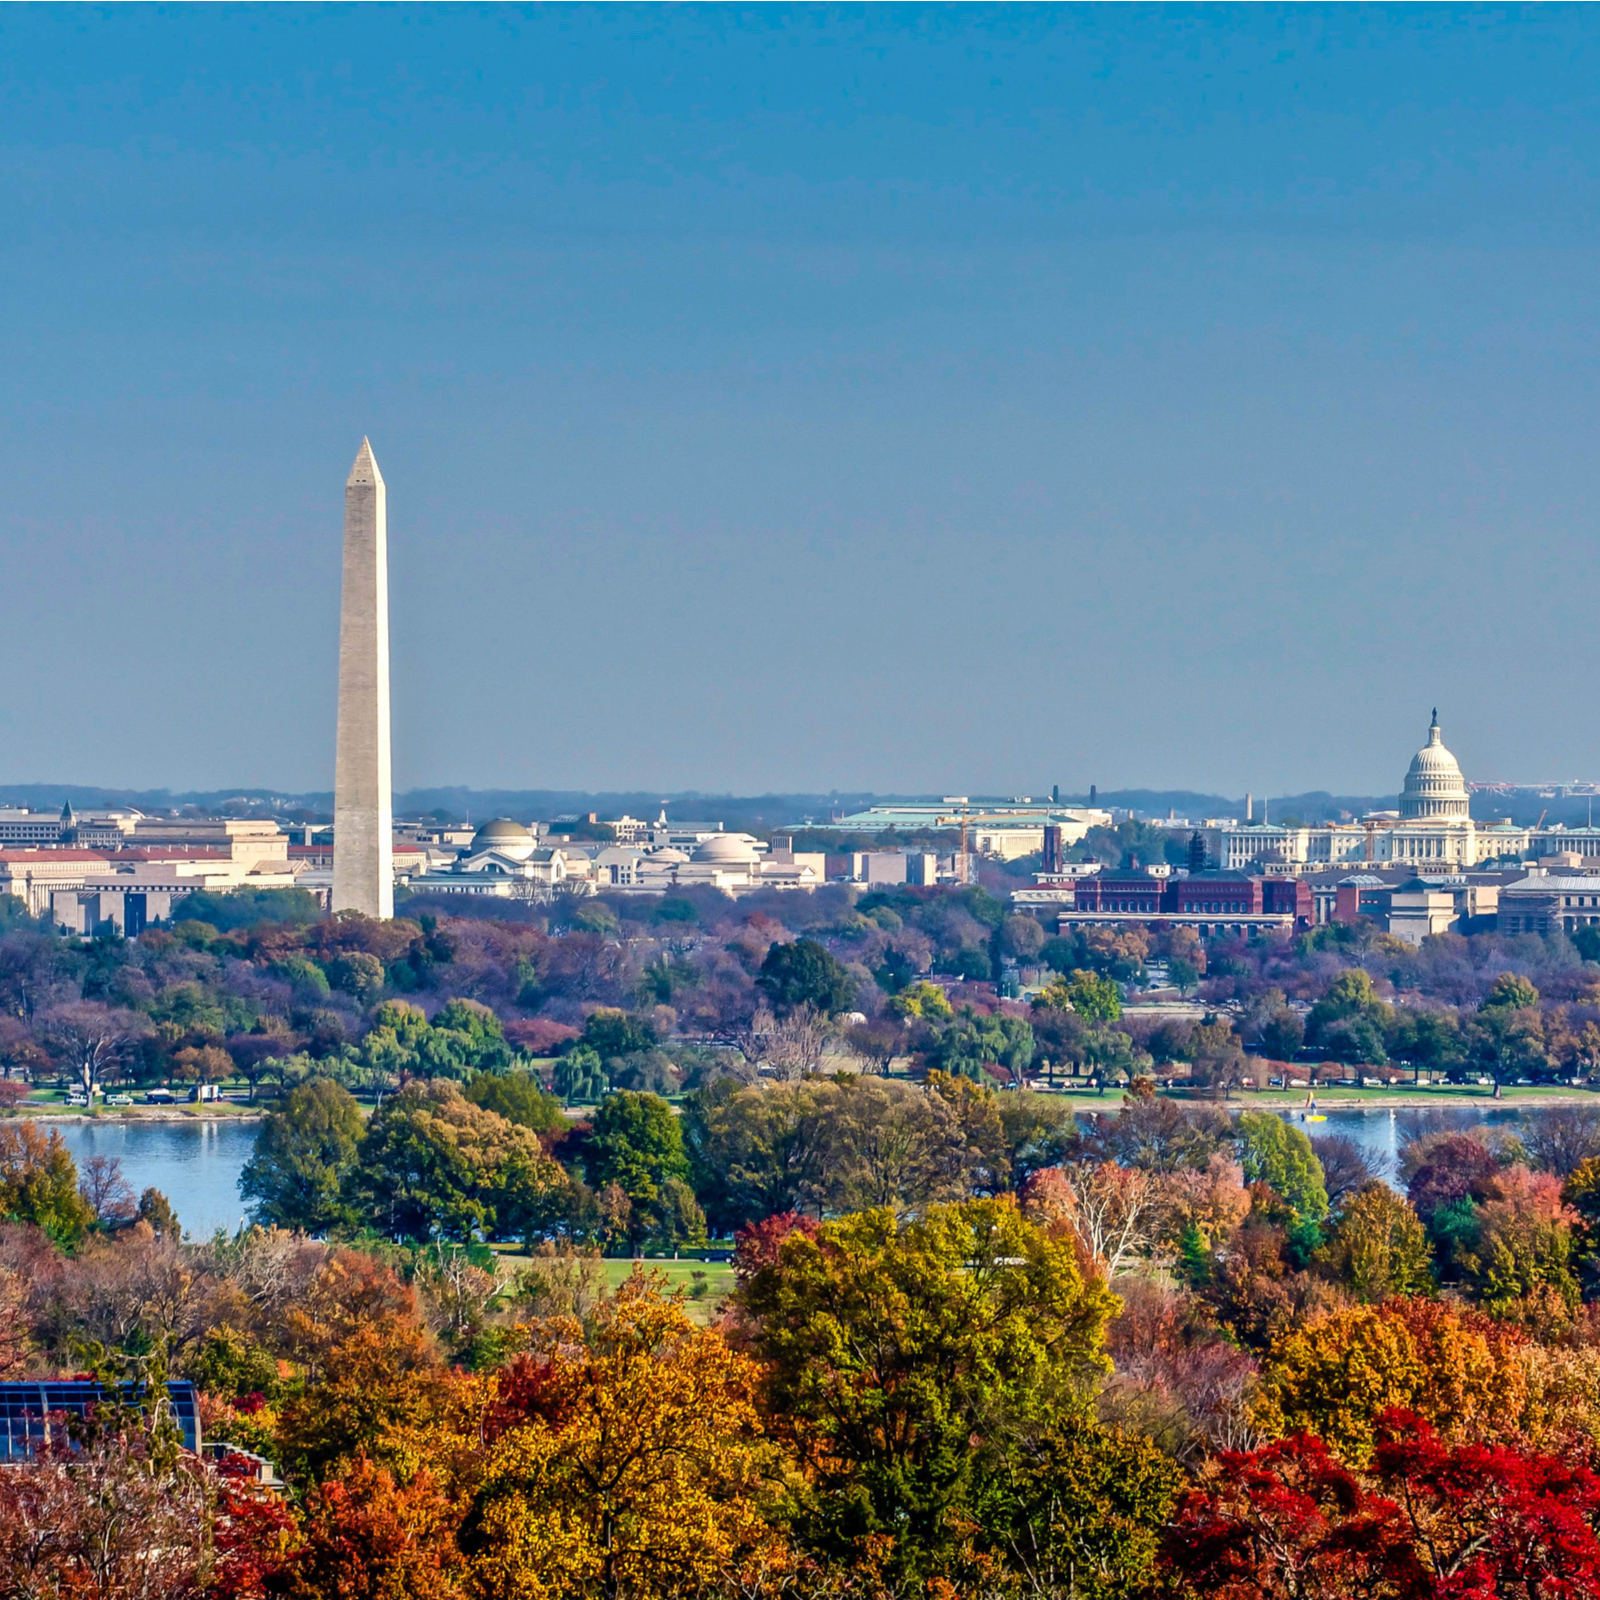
[796,399]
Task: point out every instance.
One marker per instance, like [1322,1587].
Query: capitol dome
[1434,786]
[727,850]
[505,836]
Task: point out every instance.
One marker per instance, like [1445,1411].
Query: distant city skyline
[786,400]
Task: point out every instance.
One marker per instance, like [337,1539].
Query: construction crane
[963,869]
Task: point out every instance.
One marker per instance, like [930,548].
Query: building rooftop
[30,1412]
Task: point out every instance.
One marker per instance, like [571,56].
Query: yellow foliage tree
[1336,1374]
[1380,1247]
[627,1461]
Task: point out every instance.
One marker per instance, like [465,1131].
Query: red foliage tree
[1427,1521]
[371,1537]
[757,1246]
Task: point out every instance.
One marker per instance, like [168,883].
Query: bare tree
[102,1184]
[1346,1170]
[1562,1138]
[877,1044]
[794,1045]
[1113,1210]
[89,1040]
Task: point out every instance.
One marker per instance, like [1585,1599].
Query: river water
[1380,1131]
[194,1164]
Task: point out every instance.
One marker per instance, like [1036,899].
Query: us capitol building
[1432,830]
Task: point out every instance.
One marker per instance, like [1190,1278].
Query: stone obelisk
[363,820]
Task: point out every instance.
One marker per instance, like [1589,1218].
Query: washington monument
[363,821]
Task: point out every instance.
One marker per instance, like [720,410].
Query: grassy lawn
[718,1280]
[1460,1094]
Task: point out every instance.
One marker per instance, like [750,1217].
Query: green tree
[1351,995]
[579,1077]
[908,1364]
[1078,1508]
[1379,1247]
[464,1037]
[391,1050]
[1185,974]
[39,1183]
[432,1165]
[805,974]
[305,1149]
[636,1144]
[1280,1156]
[611,1033]
[974,1040]
[1282,1034]
[1507,1042]
[244,908]
[757,1150]
[1430,1041]
[1510,993]
[358,974]
[1094,998]
[517,1097]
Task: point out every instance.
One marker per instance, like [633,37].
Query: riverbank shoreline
[132,1115]
[1414,1100]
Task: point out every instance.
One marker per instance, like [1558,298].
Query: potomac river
[196,1164]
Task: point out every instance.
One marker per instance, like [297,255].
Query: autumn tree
[1095,998]
[1379,1247]
[368,1535]
[1525,1244]
[1427,1518]
[626,1460]
[1336,1375]
[39,1183]
[375,1382]
[1111,1211]
[904,1361]
[102,1519]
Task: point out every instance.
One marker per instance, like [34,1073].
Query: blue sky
[898,399]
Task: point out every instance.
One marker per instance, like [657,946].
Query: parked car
[119,1100]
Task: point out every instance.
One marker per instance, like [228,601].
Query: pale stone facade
[363,820]
[1431,831]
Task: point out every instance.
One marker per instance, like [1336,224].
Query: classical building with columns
[1432,830]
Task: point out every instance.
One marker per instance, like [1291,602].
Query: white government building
[1432,829]
[505,859]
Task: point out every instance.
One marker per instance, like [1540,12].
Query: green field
[1404,1094]
[718,1280]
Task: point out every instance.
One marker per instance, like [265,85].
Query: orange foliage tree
[1335,1375]
[625,1460]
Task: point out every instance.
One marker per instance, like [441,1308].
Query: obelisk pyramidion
[363,844]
